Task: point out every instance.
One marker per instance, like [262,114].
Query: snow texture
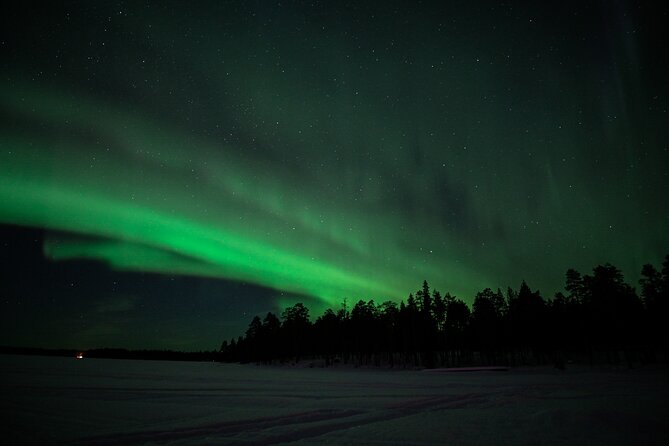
[117,402]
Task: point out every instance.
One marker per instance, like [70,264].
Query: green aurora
[349,154]
[267,232]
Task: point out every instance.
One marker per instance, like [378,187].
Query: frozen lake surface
[118,402]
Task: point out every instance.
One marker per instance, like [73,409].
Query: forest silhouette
[598,319]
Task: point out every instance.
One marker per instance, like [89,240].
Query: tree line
[114,353]
[598,318]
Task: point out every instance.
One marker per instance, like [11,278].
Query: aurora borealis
[330,150]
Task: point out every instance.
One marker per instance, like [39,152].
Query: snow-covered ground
[116,402]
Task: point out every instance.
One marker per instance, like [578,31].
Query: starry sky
[170,169]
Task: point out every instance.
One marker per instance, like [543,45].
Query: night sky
[168,170]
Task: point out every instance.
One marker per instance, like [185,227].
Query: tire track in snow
[285,428]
